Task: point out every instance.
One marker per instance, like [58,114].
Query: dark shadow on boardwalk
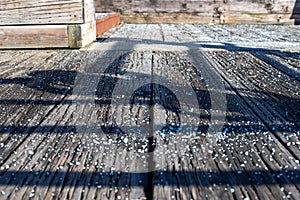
[61,82]
[147,95]
[108,179]
[296,12]
[53,81]
[110,129]
[261,53]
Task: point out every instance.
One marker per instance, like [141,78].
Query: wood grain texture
[256,18]
[204,11]
[47,36]
[41,12]
[53,18]
[33,36]
[68,130]
[207,18]
[169,18]
[88,33]
[256,6]
[89,10]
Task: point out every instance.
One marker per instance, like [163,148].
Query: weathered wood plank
[89,10]
[14,12]
[168,18]
[204,11]
[47,36]
[45,24]
[70,155]
[274,104]
[40,36]
[251,33]
[59,151]
[282,6]
[205,166]
[291,60]
[88,33]
[257,18]
[209,18]
[122,120]
[20,91]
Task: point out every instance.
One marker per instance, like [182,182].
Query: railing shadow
[46,81]
[107,179]
[53,81]
[296,12]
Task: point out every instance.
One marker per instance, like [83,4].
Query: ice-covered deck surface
[206,37]
[223,103]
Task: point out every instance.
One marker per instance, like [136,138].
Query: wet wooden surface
[125,121]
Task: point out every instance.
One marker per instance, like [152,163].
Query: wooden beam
[89,11]
[204,11]
[252,18]
[16,12]
[169,18]
[47,36]
[209,18]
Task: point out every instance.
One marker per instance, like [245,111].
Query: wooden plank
[20,90]
[198,6]
[14,12]
[47,36]
[43,36]
[257,18]
[291,60]
[70,156]
[204,11]
[249,33]
[31,88]
[196,170]
[280,7]
[168,75]
[168,18]
[59,152]
[39,16]
[88,33]
[89,10]
[273,104]
[119,118]
[209,18]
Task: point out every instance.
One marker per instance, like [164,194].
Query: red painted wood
[106,23]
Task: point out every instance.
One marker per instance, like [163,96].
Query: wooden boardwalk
[181,112]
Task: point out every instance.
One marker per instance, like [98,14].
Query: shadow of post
[296,12]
